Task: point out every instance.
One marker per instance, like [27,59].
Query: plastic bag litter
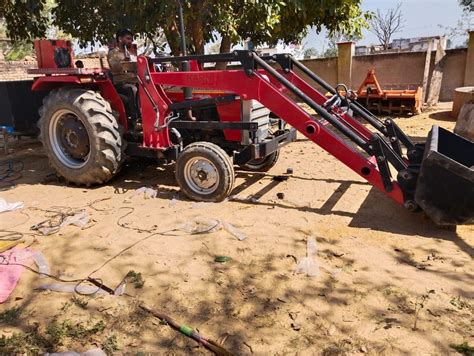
[6,206]
[332,271]
[248,199]
[201,225]
[72,288]
[11,268]
[231,229]
[147,193]
[93,352]
[41,263]
[174,201]
[80,219]
[308,264]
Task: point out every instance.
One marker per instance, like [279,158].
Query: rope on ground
[92,203]
[95,281]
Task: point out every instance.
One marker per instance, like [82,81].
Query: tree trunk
[196,25]
[226,44]
[197,35]
[173,38]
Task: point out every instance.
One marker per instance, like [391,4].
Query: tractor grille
[253,111]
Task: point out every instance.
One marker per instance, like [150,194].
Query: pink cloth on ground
[10,273]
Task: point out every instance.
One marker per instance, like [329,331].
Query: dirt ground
[382,269]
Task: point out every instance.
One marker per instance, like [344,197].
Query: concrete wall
[405,70]
[453,73]
[326,68]
[393,71]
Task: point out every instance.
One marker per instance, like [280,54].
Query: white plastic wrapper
[147,193]
[6,206]
[308,264]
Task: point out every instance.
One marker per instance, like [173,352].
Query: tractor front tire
[263,164]
[81,136]
[205,172]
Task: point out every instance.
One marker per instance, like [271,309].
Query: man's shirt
[116,57]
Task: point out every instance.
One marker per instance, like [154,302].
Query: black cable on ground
[10,171]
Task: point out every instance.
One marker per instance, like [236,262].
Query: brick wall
[15,70]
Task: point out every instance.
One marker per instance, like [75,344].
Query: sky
[422,18]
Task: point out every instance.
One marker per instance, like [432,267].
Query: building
[296,50]
[415,44]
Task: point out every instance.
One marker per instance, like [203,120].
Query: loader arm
[372,155]
[268,87]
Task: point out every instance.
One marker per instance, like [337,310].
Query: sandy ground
[381,267]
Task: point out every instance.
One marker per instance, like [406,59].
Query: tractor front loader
[86,133]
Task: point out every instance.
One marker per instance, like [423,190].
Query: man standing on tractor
[122,63]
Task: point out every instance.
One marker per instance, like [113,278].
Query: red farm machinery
[227,119]
[371,95]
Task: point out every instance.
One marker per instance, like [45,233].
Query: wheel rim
[69,139]
[256,162]
[201,175]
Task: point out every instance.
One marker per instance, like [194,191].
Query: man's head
[124,37]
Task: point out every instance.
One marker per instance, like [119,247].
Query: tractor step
[445,188]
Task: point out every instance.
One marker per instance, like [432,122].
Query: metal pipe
[360,110]
[188,93]
[321,111]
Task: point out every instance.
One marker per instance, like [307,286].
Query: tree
[463,25]
[310,52]
[334,38]
[384,26]
[263,21]
[467,5]
[21,23]
[24,20]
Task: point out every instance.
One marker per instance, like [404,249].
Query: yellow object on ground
[6,245]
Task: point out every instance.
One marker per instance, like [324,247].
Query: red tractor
[227,121]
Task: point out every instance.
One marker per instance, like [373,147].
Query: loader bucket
[445,186]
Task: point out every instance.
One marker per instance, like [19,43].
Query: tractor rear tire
[81,136]
[205,172]
[263,164]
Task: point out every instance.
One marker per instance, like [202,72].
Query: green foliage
[460,303]
[264,21]
[136,278]
[25,19]
[80,302]
[463,349]
[10,316]
[310,52]
[110,345]
[333,38]
[58,332]
[19,343]
[467,5]
[19,50]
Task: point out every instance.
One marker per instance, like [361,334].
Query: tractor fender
[104,86]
